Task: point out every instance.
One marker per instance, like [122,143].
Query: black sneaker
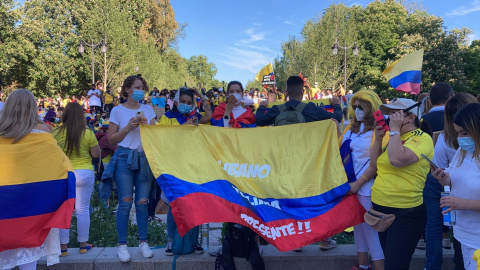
[198,250]
[168,250]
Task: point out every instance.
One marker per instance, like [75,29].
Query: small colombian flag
[405,74]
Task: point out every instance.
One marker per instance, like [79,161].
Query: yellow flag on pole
[267,70]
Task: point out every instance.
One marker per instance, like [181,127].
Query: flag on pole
[405,74]
[292,194]
[267,70]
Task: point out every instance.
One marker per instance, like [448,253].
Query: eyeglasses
[359,107]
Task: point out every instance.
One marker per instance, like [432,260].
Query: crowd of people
[389,174]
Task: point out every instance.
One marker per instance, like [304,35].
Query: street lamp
[103,48]
[355,53]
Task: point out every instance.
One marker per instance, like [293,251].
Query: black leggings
[400,239]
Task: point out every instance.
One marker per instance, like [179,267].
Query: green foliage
[253,84]
[202,71]
[103,231]
[40,51]
[384,31]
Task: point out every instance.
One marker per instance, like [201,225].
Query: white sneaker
[145,250]
[123,254]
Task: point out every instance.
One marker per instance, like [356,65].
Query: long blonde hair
[19,115]
[370,103]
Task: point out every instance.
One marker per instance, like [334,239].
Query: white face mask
[359,114]
[238,97]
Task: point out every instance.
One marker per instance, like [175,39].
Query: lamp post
[103,48]
[355,52]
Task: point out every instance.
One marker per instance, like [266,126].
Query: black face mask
[104,117]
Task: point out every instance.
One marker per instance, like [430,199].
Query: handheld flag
[405,74]
[266,71]
[34,199]
[292,194]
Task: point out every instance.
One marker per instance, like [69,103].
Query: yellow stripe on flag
[40,152]
[409,62]
[209,153]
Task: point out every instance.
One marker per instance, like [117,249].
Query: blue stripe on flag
[301,208]
[412,76]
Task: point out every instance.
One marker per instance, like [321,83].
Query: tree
[10,48]
[253,84]
[472,67]
[202,71]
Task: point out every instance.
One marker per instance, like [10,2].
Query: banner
[266,71]
[268,80]
[405,74]
[288,189]
[160,102]
[35,199]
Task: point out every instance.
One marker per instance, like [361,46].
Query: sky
[241,37]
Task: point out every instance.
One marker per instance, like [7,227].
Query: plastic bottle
[205,236]
[449,219]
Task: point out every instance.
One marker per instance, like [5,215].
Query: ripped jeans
[126,179]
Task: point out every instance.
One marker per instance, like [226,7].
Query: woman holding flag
[359,137]
[36,197]
[183,113]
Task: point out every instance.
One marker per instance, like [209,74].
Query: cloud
[463,10]
[289,23]
[252,37]
[243,59]
[257,24]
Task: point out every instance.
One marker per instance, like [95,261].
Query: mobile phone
[140,114]
[381,120]
[429,161]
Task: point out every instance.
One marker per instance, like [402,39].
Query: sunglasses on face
[359,107]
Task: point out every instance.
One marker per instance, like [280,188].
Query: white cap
[399,104]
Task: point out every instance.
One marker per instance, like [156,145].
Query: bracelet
[363,176]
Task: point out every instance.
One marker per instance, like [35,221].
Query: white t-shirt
[94,100]
[121,115]
[360,147]
[443,153]
[466,184]
[237,111]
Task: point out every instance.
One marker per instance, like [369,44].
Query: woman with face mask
[184,110]
[360,134]
[401,174]
[129,166]
[233,113]
[463,176]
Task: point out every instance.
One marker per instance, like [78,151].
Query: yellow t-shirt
[108,98]
[403,187]
[66,101]
[83,161]
[165,121]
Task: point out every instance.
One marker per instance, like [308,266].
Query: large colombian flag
[37,190]
[286,187]
[405,74]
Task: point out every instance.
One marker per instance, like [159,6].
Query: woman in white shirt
[361,131]
[463,175]
[129,165]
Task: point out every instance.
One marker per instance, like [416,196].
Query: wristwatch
[393,133]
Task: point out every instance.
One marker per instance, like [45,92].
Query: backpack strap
[282,107]
[300,107]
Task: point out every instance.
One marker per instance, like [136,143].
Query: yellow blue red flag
[405,74]
[267,70]
[290,192]
[37,190]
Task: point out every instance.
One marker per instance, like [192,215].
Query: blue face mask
[466,143]
[184,108]
[138,95]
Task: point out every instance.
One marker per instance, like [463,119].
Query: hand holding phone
[429,161]
[380,120]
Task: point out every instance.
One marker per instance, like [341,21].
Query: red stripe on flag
[287,234]
[408,87]
[32,231]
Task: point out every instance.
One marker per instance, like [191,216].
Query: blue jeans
[171,226]
[131,171]
[434,228]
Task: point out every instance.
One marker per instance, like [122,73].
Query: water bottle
[205,234]
[449,219]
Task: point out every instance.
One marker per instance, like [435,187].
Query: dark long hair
[469,119]
[454,105]
[74,125]
[184,91]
